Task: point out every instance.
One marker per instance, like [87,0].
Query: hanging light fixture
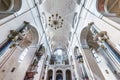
[55,21]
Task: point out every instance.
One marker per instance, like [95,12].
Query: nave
[59,40]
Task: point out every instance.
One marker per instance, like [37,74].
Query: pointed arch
[31,38]
[86,39]
[8,7]
[50,75]
[68,75]
[59,75]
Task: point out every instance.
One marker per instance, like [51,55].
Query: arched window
[59,75]
[100,6]
[43,19]
[75,18]
[50,75]
[108,7]
[8,7]
[58,56]
[68,75]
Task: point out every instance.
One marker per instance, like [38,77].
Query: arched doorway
[50,75]
[68,75]
[59,75]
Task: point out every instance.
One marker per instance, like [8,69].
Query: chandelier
[55,21]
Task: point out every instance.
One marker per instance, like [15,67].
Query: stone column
[54,74]
[72,74]
[46,73]
[64,74]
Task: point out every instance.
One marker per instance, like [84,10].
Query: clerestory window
[8,7]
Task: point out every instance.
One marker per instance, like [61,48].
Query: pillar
[46,73]
[54,74]
[64,74]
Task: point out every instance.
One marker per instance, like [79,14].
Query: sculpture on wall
[40,51]
[101,36]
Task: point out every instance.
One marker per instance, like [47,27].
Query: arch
[87,43]
[108,7]
[60,50]
[86,39]
[59,75]
[76,50]
[75,19]
[31,38]
[100,6]
[8,7]
[68,75]
[23,37]
[59,71]
[34,34]
[50,75]
[83,37]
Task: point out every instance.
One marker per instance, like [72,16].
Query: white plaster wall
[104,24]
[29,13]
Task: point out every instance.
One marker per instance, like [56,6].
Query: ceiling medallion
[55,21]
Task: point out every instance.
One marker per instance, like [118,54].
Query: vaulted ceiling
[59,13]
